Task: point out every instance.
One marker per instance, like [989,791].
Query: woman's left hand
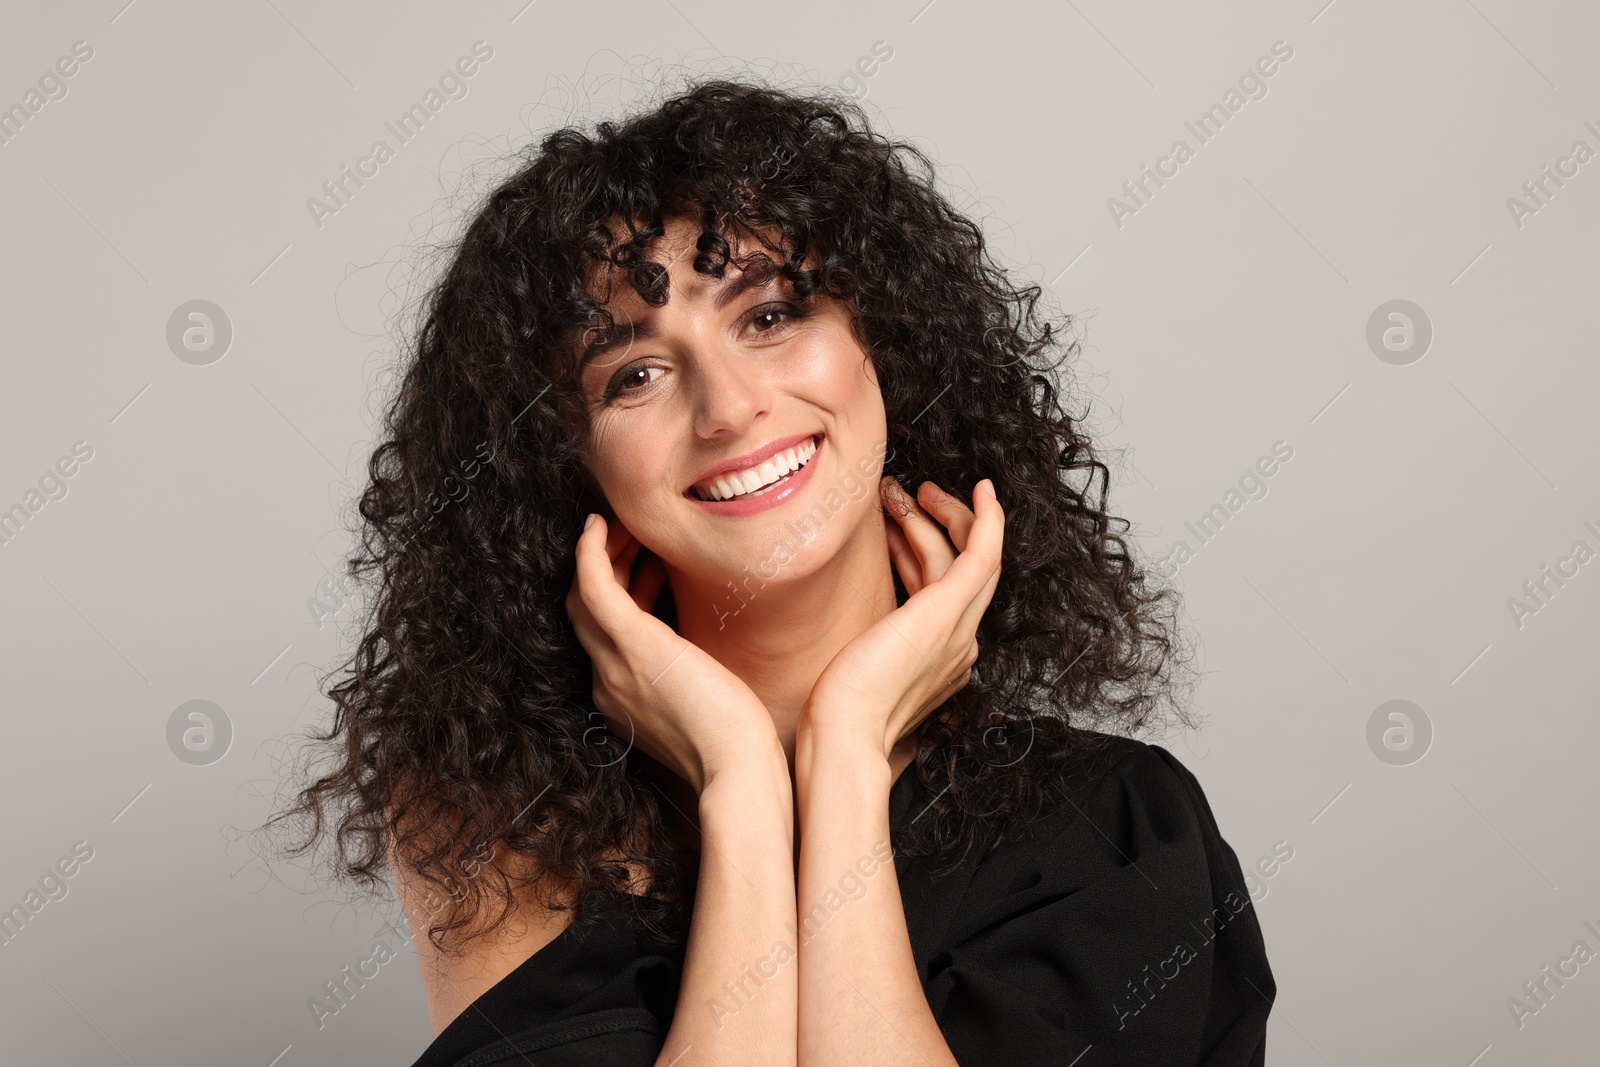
[884,682]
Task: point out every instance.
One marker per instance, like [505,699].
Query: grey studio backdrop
[1340,345]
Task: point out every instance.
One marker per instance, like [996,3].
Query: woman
[686,734]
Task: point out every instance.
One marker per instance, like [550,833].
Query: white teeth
[741,483]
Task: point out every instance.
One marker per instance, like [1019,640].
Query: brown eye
[627,378]
[773,317]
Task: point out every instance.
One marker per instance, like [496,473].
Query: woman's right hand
[656,690]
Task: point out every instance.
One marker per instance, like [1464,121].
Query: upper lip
[756,458]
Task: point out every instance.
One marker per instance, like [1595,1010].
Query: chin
[804,545]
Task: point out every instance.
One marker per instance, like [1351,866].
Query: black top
[1115,929]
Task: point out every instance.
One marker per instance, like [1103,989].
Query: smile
[756,487]
[757,479]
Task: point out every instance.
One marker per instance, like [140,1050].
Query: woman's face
[721,373]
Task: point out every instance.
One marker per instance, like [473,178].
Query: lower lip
[780,492]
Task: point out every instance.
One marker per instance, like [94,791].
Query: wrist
[742,811]
[850,759]
[756,778]
[841,733]
[746,748]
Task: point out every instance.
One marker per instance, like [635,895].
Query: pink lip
[784,490]
[753,459]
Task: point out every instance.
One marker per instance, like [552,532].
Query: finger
[905,561]
[618,538]
[623,548]
[595,641]
[949,510]
[598,587]
[589,632]
[978,566]
[973,613]
[933,549]
[967,586]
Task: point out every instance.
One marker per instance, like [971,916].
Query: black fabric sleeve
[603,993]
[1116,931]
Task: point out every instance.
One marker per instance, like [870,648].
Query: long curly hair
[465,742]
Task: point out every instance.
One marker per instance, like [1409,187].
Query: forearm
[860,998]
[737,1000]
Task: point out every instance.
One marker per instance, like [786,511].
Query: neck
[778,635]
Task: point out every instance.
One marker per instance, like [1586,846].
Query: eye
[620,383]
[773,318]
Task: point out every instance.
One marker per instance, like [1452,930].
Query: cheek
[830,369]
[627,461]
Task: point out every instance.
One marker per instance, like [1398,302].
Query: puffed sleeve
[1117,930]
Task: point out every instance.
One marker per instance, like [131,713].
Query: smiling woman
[878,815]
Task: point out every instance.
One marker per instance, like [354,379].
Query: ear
[591,498]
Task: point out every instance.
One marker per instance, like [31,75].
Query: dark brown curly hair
[464,727]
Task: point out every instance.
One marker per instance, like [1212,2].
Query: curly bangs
[464,742]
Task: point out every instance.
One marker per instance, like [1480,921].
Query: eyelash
[789,311]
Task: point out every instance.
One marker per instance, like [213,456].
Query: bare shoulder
[475,959]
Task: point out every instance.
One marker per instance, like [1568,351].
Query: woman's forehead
[749,263]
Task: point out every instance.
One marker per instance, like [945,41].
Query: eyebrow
[727,292]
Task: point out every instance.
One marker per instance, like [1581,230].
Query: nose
[731,393]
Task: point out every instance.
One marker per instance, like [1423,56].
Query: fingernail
[987,486]
[589,521]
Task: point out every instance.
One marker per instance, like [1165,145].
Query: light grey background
[1228,313]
